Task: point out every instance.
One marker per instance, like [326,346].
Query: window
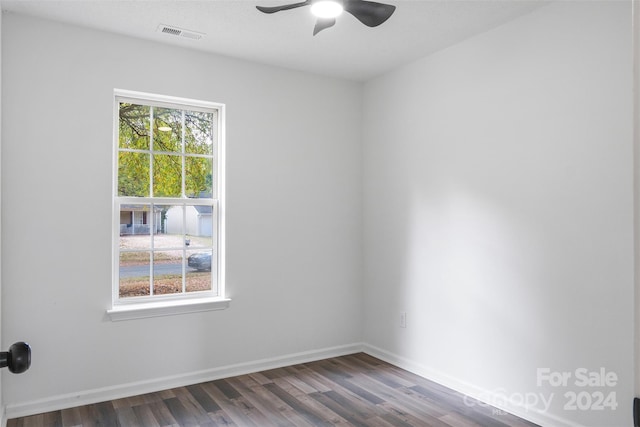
[168,223]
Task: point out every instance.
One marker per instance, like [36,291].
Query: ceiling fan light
[327,8]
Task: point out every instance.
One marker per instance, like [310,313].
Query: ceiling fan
[369,13]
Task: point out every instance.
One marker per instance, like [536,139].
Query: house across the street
[198,221]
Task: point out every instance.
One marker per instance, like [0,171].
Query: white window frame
[161,305]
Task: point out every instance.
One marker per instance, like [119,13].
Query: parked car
[200,261]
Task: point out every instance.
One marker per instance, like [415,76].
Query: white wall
[2,411]
[293,213]
[498,209]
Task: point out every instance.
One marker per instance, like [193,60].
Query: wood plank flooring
[354,390]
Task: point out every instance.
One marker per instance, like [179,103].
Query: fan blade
[274,9]
[323,23]
[369,13]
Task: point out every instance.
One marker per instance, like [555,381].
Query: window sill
[166,308]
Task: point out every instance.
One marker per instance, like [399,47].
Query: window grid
[182,202]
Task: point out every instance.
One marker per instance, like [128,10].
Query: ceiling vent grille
[180,32]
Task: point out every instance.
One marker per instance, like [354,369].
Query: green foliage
[134,126]
[199,176]
[133,174]
[167,175]
[172,133]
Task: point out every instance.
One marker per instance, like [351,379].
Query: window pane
[172,226]
[167,130]
[199,270]
[135,227]
[133,174]
[167,175]
[199,177]
[133,126]
[134,274]
[167,272]
[200,230]
[198,133]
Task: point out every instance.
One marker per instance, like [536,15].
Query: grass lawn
[165,285]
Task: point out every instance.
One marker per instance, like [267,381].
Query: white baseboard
[87,397]
[540,418]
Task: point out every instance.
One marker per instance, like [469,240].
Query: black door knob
[18,358]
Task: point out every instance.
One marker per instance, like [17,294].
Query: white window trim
[170,305]
[166,308]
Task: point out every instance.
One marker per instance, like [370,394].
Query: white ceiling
[235,28]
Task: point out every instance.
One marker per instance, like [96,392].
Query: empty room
[261,212]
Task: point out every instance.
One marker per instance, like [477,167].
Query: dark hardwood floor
[354,390]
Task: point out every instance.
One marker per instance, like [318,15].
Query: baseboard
[540,418]
[87,397]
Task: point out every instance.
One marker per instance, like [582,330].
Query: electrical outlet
[403,320]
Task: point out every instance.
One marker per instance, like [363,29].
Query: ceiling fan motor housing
[369,13]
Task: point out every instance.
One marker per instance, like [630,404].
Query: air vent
[180,32]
